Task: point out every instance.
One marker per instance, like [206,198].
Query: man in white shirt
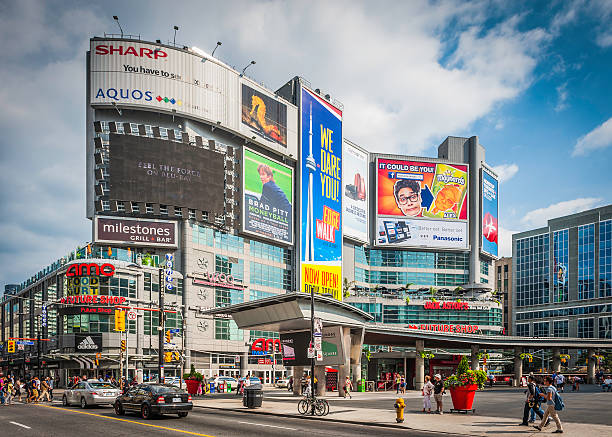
[560,381]
[607,384]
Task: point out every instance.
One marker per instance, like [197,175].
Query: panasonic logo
[443,238]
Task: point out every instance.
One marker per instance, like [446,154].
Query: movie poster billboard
[355,192]
[294,347]
[321,196]
[263,115]
[267,202]
[489,193]
[421,204]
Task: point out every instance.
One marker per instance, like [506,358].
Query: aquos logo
[124,94]
[142,52]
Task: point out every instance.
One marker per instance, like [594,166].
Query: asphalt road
[57,421]
[589,405]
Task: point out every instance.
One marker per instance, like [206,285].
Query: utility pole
[312,360]
[160,329]
[38,350]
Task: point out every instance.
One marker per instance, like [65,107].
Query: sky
[530,78]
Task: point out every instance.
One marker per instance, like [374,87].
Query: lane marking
[264,424]
[21,425]
[127,420]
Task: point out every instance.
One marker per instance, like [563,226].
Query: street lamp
[216,47]
[116,18]
[248,65]
[176,28]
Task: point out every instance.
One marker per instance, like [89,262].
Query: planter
[192,386]
[463,397]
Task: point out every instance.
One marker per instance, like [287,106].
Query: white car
[86,393]
[282,383]
[226,379]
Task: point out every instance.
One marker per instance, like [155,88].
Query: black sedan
[151,399]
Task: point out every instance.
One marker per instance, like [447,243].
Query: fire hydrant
[399,410]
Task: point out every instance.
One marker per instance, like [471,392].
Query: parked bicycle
[310,403]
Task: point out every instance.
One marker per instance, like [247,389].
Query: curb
[351,422]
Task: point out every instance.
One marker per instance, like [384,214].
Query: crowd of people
[28,390]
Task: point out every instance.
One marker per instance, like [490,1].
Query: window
[522,329]
[605,327]
[257,294]
[227,330]
[605,258]
[230,266]
[532,270]
[560,266]
[586,261]
[270,276]
[560,328]
[586,328]
[541,329]
[228,296]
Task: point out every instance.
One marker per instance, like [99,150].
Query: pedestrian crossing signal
[176,356]
[123,346]
[167,357]
[11,346]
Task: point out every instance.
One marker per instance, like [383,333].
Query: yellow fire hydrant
[399,410]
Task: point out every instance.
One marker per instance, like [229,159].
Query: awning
[84,362]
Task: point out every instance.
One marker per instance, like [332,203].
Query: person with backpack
[532,401]
[554,404]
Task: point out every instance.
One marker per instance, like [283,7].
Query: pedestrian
[532,402]
[2,390]
[18,389]
[290,384]
[438,390]
[44,392]
[50,383]
[549,396]
[427,391]
[607,384]
[398,380]
[403,384]
[560,381]
[576,383]
[348,386]
[9,392]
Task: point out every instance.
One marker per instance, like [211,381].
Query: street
[55,421]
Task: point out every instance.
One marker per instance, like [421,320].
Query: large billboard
[157,77]
[135,232]
[294,347]
[165,172]
[489,193]
[267,202]
[321,196]
[355,192]
[421,204]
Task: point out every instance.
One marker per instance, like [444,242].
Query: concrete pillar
[320,375]
[405,367]
[591,366]
[556,365]
[518,366]
[475,363]
[244,363]
[298,372]
[355,356]
[344,369]
[419,370]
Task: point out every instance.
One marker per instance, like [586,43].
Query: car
[282,383]
[174,380]
[253,379]
[226,379]
[87,393]
[149,400]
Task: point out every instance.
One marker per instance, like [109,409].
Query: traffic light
[98,356]
[167,357]
[176,356]
[123,346]
[119,320]
[11,346]
[168,336]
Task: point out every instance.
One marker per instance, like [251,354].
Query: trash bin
[361,385]
[253,396]
[212,387]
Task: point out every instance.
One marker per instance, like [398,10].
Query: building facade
[562,278]
[190,161]
[503,288]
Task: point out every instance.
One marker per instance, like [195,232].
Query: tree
[346,287]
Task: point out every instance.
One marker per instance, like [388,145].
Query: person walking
[560,381]
[549,396]
[9,392]
[348,386]
[398,380]
[438,390]
[44,392]
[532,402]
[427,391]
[50,383]
[403,385]
[18,389]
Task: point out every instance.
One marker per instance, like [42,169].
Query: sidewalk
[343,410]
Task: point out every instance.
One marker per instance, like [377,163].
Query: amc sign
[90,269]
[446,306]
[265,346]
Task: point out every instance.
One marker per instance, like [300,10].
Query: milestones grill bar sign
[135,232]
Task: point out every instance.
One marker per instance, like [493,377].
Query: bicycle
[310,403]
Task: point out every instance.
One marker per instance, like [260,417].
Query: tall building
[503,288]
[562,278]
[206,189]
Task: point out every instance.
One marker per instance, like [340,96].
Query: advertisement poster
[421,233]
[489,213]
[422,189]
[321,207]
[294,347]
[263,116]
[267,204]
[355,192]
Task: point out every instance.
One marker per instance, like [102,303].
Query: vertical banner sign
[355,192]
[168,272]
[321,196]
[489,195]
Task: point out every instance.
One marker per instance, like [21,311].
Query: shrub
[466,376]
[193,374]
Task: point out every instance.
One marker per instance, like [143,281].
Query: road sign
[319,355]
[131,315]
[25,342]
[311,352]
[20,347]
[174,330]
[318,343]
[318,327]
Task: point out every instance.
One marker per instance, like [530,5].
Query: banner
[355,192]
[294,347]
[88,342]
[422,233]
[135,232]
[267,203]
[321,196]
[489,193]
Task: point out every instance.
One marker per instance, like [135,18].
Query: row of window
[403,258]
[585,328]
[586,262]
[561,312]
[532,286]
[403,278]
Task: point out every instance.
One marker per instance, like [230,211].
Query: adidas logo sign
[87,343]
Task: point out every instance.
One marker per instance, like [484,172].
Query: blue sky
[530,78]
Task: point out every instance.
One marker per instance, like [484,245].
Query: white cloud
[562,96]
[499,125]
[504,237]
[506,171]
[539,217]
[598,138]
[604,39]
